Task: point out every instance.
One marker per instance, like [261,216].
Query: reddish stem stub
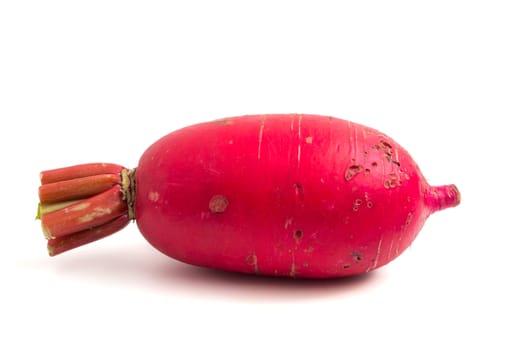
[84,203]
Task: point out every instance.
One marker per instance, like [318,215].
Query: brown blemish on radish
[224,121]
[384,145]
[346,266]
[374,164]
[252,261]
[386,148]
[357,256]
[308,140]
[293,268]
[153,196]
[218,204]
[352,170]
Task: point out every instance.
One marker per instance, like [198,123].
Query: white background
[101,80]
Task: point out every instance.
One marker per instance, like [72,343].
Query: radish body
[284,195]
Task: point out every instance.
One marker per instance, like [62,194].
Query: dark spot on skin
[369,204]
[408,219]
[357,256]
[374,164]
[396,162]
[346,266]
[218,204]
[367,171]
[298,234]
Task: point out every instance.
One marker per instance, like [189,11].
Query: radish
[296,195]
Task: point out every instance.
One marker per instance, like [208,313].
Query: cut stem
[78,171]
[62,244]
[76,188]
[84,203]
[91,212]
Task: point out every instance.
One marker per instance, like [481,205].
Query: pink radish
[285,195]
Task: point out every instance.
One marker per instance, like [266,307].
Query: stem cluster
[82,204]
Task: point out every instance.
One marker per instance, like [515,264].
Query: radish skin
[295,195]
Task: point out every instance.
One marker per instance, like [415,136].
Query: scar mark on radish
[299,137]
[153,196]
[252,261]
[308,140]
[357,256]
[293,268]
[218,204]
[287,223]
[357,204]
[396,160]
[299,191]
[225,121]
[352,170]
[390,250]
[398,244]
[97,212]
[385,145]
[408,219]
[378,252]
[261,129]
